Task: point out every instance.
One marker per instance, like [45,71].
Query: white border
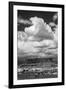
[34,81]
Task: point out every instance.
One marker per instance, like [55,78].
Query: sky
[37,39]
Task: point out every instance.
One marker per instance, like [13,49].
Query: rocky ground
[37,68]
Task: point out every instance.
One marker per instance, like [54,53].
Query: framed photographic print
[36,44]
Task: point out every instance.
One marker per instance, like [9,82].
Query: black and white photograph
[37,44]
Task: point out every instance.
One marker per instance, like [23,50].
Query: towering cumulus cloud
[39,29]
[37,40]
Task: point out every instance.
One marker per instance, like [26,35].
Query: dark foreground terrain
[37,68]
